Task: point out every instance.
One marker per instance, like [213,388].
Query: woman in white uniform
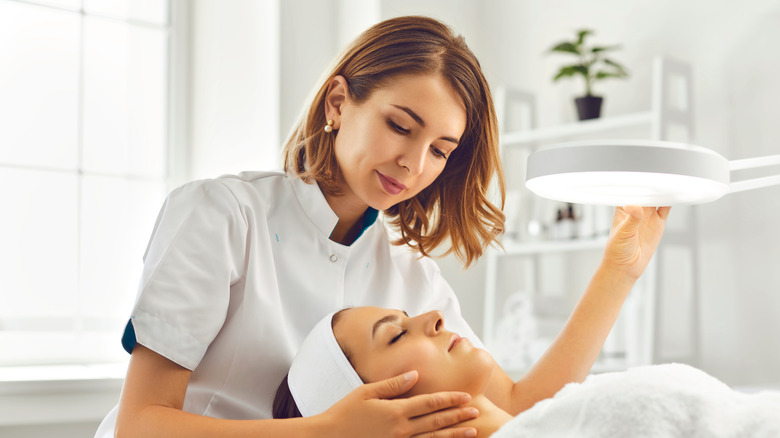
[240,268]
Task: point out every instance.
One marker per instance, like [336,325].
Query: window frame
[80,347]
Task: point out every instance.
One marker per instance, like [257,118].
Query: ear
[335,97]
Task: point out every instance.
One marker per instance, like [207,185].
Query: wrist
[616,275]
[320,426]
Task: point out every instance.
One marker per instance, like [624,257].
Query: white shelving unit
[514,248]
[511,319]
[577,129]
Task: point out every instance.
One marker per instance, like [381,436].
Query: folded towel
[671,400]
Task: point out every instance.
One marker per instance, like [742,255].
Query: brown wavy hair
[456,206]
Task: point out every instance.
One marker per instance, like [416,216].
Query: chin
[383,202]
[483,360]
[381,206]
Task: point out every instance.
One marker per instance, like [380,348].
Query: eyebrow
[384,320]
[420,121]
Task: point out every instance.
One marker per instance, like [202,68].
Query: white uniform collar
[315,205]
[313,202]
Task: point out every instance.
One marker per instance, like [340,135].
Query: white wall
[234,112]
[732,49]
[308,42]
[462,15]
[312,33]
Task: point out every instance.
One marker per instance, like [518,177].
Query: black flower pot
[589,107]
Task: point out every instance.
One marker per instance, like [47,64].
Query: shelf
[585,127]
[513,248]
[670,115]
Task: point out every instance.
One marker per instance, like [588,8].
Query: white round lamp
[635,172]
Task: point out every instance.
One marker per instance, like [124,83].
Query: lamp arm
[752,163]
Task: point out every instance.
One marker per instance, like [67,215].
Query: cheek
[434,368]
[435,169]
[432,172]
[361,146]
[469,373]
[344,153]
[420,357]
[350,139]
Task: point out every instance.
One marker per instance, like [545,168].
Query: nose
[413,159]
[434,322]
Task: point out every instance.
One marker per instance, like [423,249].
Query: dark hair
[284,403]
[455,208]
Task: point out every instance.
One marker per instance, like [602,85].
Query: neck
[490,418]
[350,212]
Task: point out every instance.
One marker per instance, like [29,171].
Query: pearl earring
[329,126]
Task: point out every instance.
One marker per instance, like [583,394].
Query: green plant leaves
[566,47]
[618,67]
[603,49]
[589,58]
[581,34]
[571,70]
[605,74]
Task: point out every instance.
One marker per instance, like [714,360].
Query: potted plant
[593,65]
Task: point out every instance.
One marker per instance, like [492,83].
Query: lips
[391,186]
[454,340]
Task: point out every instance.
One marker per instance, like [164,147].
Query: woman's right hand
[371,411]
[155,387]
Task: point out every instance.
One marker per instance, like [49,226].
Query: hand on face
[372,413]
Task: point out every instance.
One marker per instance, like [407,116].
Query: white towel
[672,400]
[320,374]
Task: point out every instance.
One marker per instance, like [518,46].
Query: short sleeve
[196,252]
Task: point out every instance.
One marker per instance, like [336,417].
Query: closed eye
[397,128]
[403,131]
[397,337]
[436,151]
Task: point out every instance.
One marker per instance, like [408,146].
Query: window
[84,147]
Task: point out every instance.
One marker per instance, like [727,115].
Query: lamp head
[628,172]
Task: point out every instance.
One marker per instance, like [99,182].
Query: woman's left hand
[633,239]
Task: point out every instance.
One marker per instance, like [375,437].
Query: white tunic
[240,268]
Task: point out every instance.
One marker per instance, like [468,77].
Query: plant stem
[587,64]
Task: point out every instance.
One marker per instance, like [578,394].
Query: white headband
[320,374]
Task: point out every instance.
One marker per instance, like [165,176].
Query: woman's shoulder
[244,188]
[231,181]
[231,195]
[254,181]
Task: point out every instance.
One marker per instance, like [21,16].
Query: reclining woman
[370,344]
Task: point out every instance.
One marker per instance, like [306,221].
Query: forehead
[366,316]
[356,324]
[430,96]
